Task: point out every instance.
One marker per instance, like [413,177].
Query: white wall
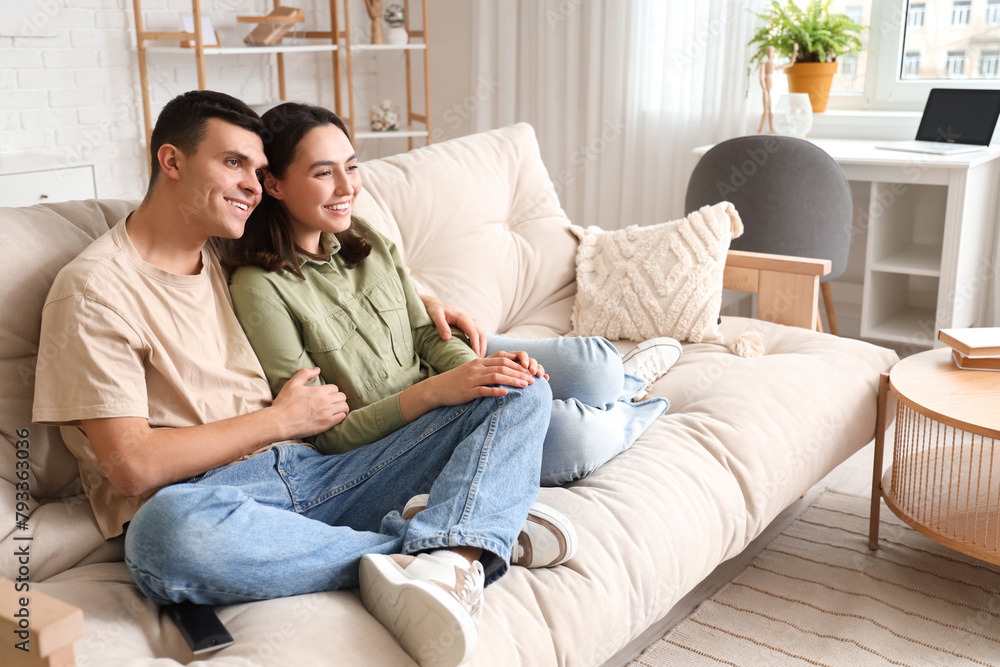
[70,93]
[454,94]
[69,76]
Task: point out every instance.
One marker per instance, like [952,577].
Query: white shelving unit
[416,125]
[245,50]
[150,42]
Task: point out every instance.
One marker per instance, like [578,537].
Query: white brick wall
[75,93]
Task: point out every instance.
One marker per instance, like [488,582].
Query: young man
[178,438]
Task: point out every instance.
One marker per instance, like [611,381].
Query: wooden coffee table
[945,475]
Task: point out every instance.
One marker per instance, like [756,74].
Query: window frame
[994,58]
[885,89]
[955,63]
[962,10]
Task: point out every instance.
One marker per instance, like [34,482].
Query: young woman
[317,286]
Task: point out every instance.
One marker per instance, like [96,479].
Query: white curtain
[619,92]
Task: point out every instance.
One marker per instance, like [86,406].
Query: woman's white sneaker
[651,359]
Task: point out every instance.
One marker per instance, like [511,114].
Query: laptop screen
[960,116]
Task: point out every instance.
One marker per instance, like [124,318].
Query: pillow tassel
[748,344]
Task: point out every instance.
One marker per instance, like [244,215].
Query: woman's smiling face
[320,186]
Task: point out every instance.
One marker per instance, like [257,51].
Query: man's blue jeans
[592,418]
[293,521]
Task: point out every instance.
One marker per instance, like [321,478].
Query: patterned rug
[818,596]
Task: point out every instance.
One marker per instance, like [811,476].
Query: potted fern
[821,37]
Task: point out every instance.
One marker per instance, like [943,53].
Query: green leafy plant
[395,16]
[821,36]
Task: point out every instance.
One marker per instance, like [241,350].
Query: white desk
[930,222]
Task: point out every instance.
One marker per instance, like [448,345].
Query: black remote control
[200,627]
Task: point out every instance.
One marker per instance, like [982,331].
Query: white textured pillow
[661,280]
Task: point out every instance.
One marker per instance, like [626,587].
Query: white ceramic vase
[397,36]
[793,115]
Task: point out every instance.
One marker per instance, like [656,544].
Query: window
[848,66]
[850,77]
[993,12]
[909,53]
[960,12]
[950,51]
[988,66]
[955,63]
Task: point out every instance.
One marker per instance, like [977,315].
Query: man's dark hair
[184,119]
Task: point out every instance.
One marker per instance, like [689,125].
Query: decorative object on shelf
[375,14]
[271,29]
[384,116]
[414,119]
[793,115]
[767,69]
[395,16]
[209,35]
[820,36]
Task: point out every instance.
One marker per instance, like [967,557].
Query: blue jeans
[592,418]
[293,521]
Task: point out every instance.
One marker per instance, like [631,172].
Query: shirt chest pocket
[388,302]
[334,344]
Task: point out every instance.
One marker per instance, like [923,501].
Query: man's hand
[307,410]
[445,316]
[137,459]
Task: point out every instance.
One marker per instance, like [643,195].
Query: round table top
[965,399]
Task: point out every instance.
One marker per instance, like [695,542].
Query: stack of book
[974,349]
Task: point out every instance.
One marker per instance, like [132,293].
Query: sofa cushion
[638,283]
[480,226]
[37,242]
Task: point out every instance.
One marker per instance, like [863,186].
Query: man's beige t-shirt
[123,338]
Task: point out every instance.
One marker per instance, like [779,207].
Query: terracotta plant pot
[814,79]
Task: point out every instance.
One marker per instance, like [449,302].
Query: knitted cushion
[661,280]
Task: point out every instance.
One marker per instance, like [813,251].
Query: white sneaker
[430,606]
[650,360]
[547,538]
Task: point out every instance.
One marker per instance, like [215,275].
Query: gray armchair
[791,195]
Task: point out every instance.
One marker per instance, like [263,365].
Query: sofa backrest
[476,219]
[480,226]
[37,241]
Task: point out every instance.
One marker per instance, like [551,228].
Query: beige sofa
[481,227]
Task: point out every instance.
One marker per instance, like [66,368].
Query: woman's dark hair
[267,239]
[184,119]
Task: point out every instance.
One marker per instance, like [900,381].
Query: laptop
[954,121]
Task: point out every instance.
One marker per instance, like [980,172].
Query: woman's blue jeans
[293,521]
[592,418]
